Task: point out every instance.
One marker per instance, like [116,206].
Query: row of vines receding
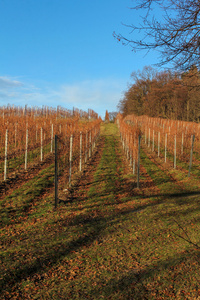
[169,139]
[27,134]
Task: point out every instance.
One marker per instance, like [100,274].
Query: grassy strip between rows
[116,243]
[181,162]
[13,208]
[17,163]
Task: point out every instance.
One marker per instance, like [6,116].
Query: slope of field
[107,239]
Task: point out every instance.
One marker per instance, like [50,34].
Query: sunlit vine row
[129,133]
[30,132]
[75,148]
[166,137]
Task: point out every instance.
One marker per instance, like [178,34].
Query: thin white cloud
[10,89]
[6,82]
[99,95]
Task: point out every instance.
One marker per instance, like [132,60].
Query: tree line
[163,94]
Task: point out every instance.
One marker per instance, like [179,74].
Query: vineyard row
[71,156]
[176,139]
[26,140]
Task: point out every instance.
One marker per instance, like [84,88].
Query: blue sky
[62,52]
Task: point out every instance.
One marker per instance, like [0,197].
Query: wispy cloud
[99,95]
[6,82]
[10,89]
[96,94]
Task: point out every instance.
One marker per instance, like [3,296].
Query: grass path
[108,240]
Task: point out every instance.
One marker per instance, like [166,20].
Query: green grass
[14,207]
[17,163]
[112,241]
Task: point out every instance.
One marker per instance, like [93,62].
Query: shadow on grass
[51,256]
[176,196]
[92,226]
[119,187]
[156,280]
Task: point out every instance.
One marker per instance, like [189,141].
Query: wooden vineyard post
[80,164]
[153,142]
[96,137]
[126,145]
[36,133]
[51,138]
[130,150]
[70,159]
[149,138]
[56,171]
[130,159]
[41,139]
[175,151]
[138,165]
[158,143]
[6,155]
[15,136]
[90,144]
[127,148]
[86,147]
[26,150]
[182,143]
[95,133]
[134,166]
[191,153]
[165,147]
[92,141]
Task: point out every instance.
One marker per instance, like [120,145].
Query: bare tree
[174,31]
[112,116]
